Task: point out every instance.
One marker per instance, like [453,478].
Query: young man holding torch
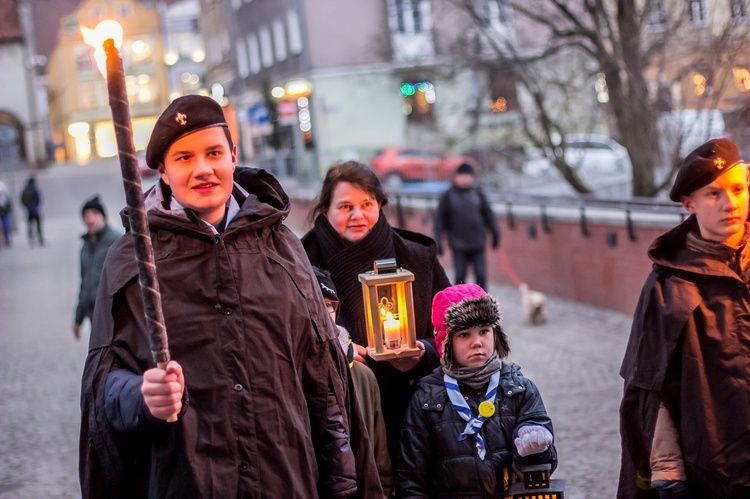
[257,379]
[685,413]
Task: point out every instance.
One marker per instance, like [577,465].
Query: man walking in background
[31,199]
[96,242]
[466,216]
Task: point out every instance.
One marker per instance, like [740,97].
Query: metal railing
[583,208]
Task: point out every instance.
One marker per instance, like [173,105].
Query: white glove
[532,439]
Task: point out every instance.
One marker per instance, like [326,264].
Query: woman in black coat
[350,232]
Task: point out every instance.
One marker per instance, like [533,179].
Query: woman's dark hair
[354,172]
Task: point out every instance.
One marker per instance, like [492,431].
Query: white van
[694,126]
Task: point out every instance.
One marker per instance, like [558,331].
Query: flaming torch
[106,39]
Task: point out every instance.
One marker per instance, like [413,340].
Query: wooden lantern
[389,310]
[537,484]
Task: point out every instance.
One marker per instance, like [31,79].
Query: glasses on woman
[332,306]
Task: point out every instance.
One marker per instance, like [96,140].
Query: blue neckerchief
[474,425]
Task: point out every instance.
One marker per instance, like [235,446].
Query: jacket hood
[259,194]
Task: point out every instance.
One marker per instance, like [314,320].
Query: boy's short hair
[186,114]
[704,165]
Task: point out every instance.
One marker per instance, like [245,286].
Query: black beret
[94,204]
[186,114]
[703,166]
[327,287]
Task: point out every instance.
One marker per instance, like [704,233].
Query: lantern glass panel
[393,319]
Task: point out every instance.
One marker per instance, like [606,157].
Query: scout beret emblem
[719,163]
[181,119]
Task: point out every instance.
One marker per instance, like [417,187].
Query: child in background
[365,387]
[475,417]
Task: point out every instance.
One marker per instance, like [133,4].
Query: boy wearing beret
[98,238]
[257,380]
[685,413]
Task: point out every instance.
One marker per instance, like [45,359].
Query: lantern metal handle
[385,266]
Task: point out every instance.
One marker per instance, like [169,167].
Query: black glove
[495,241]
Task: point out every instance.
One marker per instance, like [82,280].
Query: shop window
[697,12]
[418,100]
[738,10]
[656,17]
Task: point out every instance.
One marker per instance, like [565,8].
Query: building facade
[80,116]
[21,129]
[316,81]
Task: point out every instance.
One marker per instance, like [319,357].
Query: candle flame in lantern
[95,37]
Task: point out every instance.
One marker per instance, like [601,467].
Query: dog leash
[505,264]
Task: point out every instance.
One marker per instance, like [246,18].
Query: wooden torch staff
[131,179]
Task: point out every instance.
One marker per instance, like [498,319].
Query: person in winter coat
[685,412]
[464,214]
[6,214]
[98,238]
[476,418]
[31,199]
[350,232]
[257,379]
[365,386]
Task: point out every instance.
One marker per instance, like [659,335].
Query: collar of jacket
[96,236]
[669,251]
[261,200]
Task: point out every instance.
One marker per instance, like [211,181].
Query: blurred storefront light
[171,58]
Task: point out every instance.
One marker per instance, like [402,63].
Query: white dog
[534,305]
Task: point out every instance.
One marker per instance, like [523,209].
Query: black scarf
[346,260]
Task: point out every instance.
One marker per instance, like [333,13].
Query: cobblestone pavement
[573,358]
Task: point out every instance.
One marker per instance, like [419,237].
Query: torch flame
[95,37]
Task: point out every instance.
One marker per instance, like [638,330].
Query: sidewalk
[574,359]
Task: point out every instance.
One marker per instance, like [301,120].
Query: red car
[394,165]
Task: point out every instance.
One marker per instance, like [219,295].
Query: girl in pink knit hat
[476,417]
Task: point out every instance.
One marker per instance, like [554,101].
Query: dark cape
[688,349]
[345,261]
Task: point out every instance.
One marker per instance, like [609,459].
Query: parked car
[587,153]
[394,165]
[143,168]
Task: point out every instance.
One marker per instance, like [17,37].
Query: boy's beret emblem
[719,163]
[181,119]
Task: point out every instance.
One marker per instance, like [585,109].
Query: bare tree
[642,53]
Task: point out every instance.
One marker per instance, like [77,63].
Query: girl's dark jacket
[689,348]
[266,385]
[412,251]
[434,463]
